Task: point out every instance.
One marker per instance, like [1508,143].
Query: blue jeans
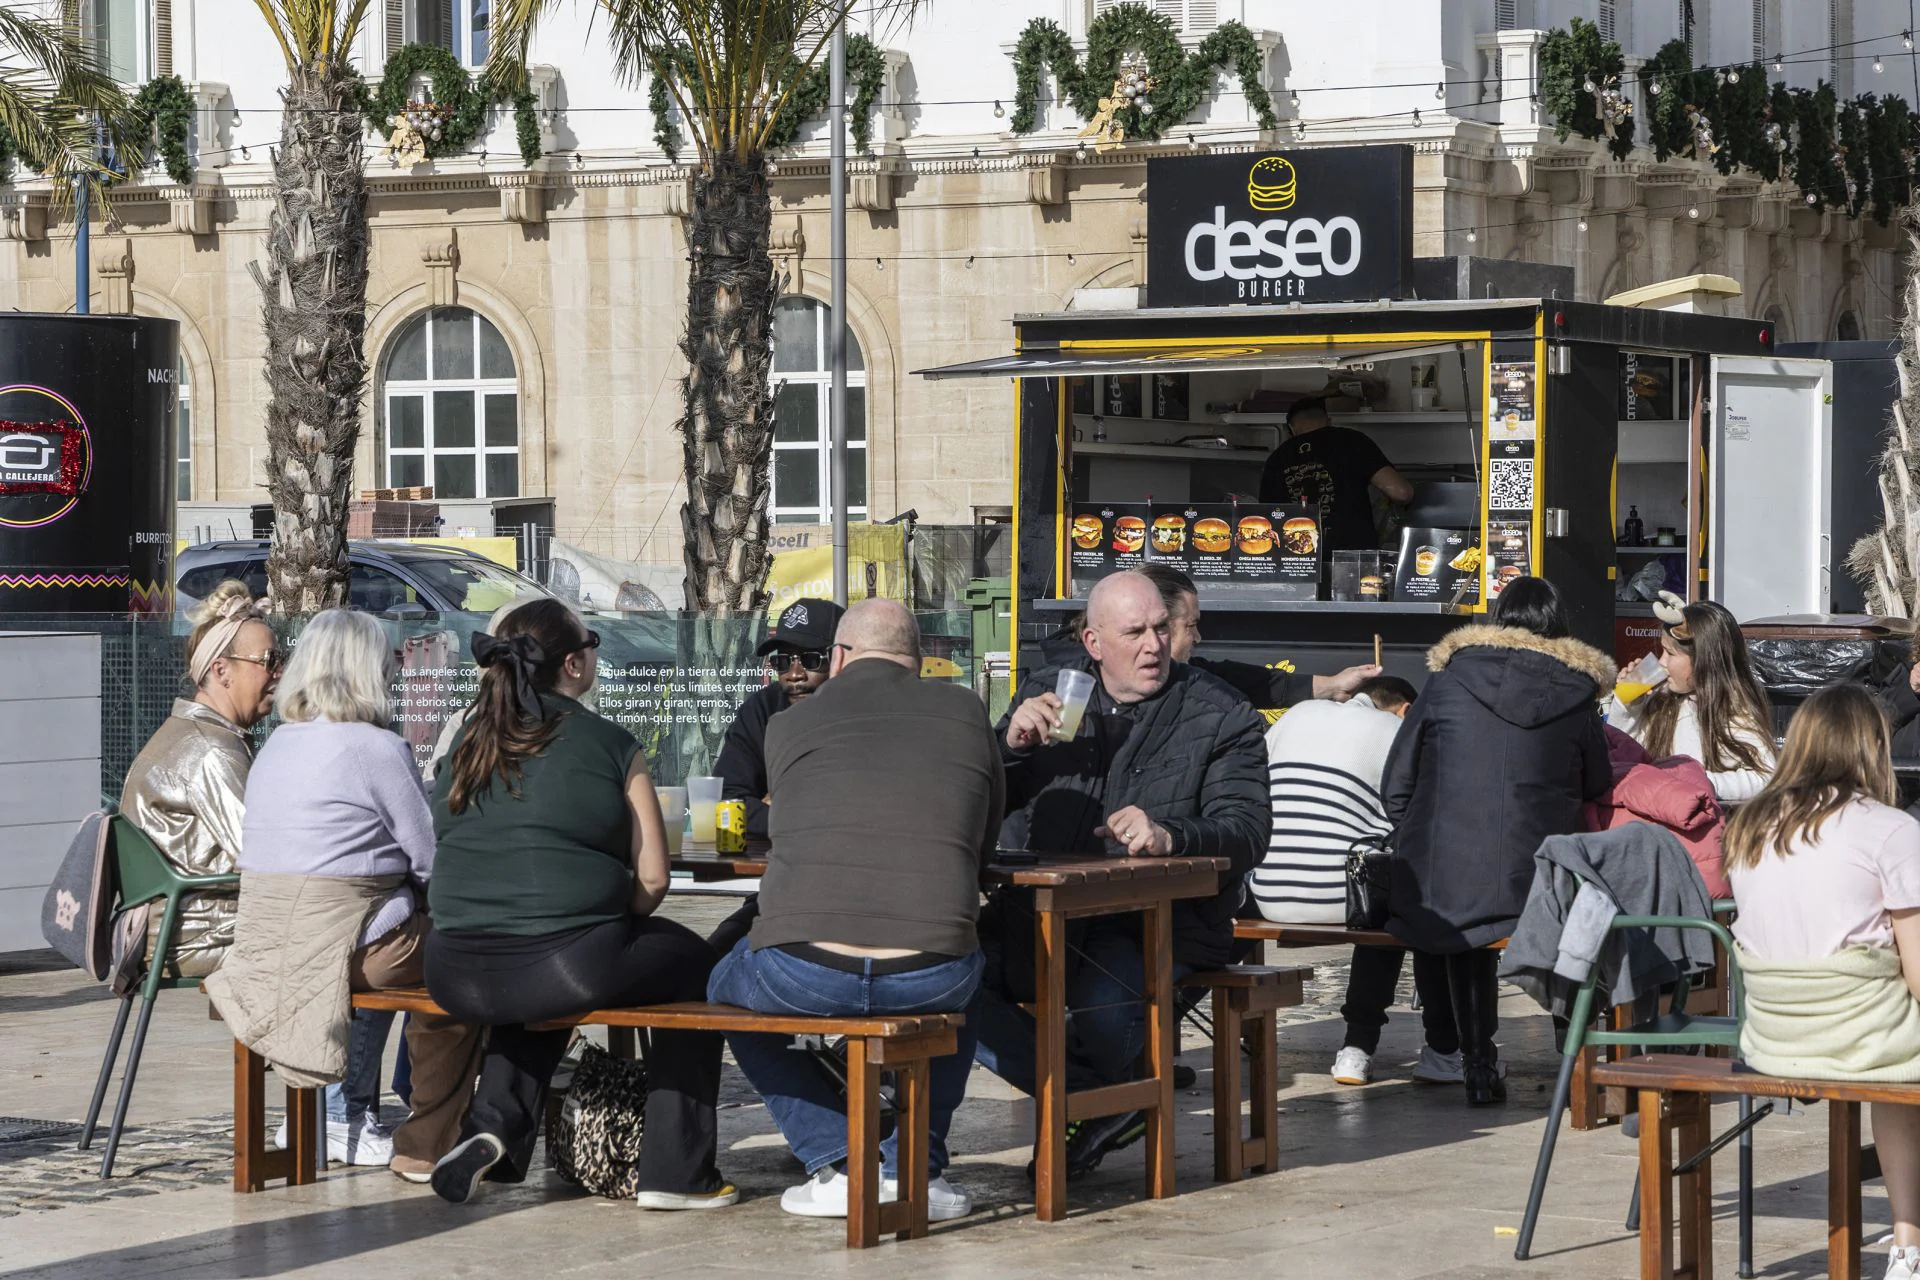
[805,1105]
[359,1092]
[1106,1018]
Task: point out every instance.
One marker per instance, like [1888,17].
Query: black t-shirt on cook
[1329,468]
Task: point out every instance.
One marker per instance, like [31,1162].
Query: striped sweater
[1324,764]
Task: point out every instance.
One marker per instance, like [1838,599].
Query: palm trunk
[727,431]
[1887,562]
[314,294]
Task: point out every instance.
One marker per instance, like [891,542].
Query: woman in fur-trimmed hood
[1502,750]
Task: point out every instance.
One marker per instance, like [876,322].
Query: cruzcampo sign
[1326,224]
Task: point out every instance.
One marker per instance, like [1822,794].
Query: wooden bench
[1240,994]
[1674,1094]
[1312,935]
[902,1043]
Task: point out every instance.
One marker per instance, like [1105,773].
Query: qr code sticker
[1511,485]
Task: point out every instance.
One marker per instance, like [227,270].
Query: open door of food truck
[1768,485]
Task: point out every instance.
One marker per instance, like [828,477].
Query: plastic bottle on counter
[1635,532]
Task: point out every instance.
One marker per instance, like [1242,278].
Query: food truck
[1616,451]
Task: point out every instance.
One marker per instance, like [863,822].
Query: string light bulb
[1416,117]
[1878,66]
[1193,143]
[1906,38]
[1581,225]
[1473,235]
[1693,212]
[1440,92]
[1733,75]
[1293,96]
[773,166]
[999,112]
[1779,63]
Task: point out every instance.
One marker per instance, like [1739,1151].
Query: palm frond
[60,106]
[314,33]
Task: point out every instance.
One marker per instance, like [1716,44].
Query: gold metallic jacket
[187,790]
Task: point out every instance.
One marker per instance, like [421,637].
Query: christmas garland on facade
[1855,156]
[460,102]
[809,87]
[1181,81]
[167,108]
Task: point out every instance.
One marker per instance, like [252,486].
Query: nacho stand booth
[1529,428]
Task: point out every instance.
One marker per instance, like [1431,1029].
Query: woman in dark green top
[551,858]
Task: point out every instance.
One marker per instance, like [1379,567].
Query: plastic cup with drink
[1074,690]
[703,806]
[673,811]
[1640,679]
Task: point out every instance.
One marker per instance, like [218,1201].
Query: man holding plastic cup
[1166,760]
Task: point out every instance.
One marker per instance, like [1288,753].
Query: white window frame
[92,23]
[821,382]
[460,28]
[426,389]
[1196,17]
[183,435]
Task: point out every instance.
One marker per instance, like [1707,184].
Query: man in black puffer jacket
[1168,761]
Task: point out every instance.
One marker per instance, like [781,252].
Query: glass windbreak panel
[796,413]
[376,590]
[407,361]
[468,582]
[406,422]
[453,476]
[495,360]
[502,421]
[452,343]
[453,420]
[796,478]
[796,337]
[503,475]
[406,471]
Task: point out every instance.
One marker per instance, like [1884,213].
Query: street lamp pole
[837,310]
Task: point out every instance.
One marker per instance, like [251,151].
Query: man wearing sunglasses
[797,655]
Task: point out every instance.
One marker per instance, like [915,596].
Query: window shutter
[396,26]
[1759,30]
[1101,6]
[1506,14]
[163,37]
[446,39]
[1606,20]
[1202,15]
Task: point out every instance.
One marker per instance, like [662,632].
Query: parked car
[397,580]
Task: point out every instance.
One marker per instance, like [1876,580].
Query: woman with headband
[186,788]
[551,859]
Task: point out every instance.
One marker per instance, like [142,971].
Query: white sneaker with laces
[945,1202]
[1435,1067]
[1353,1066]
[359,1141]
[1903,1263]
[822,1196]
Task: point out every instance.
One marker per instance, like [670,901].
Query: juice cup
[673,811]
[1074,690]
[703,806]
[1641,679]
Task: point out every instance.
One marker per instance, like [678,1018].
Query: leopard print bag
[593,1137]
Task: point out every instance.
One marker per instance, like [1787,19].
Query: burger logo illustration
[1169,533]
[1087,529]
[1215,537]
[1256,535]
[1129,534]
[1270,186]
[1300,535]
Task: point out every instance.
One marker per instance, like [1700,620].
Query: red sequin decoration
[73,459]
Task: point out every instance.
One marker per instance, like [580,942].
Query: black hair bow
[523,655]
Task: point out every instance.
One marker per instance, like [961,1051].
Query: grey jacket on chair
[1645,870]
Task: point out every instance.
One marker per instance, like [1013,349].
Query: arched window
[452,407]
[802,440]
[183,414]
[1848,329]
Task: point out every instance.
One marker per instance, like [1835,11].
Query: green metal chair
[1674,1029]
[143,875]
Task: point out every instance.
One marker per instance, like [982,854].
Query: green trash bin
[992,603]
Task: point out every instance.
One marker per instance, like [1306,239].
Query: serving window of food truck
[1519,433]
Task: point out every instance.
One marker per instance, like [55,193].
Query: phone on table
[1016,857]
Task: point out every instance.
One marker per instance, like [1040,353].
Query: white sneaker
[945,1202]
[1435,1067]
[822,1196]
[359,1141]
[1903,1263]
[1353,1066]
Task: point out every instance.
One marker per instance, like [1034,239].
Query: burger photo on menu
[1088,529]
[1256,536]
[1129,534]
[1212,536]
[1169,534]
[1300,535]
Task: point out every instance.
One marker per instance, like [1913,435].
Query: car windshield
[479,586]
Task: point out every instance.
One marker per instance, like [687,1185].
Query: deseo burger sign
[1330,224]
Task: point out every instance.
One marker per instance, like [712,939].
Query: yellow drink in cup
[673,812]
[1641,679]
[1631,691]
[703,807]
[1074,690]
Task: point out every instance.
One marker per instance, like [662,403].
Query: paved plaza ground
[1395,1180]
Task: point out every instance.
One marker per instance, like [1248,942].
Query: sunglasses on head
[809,659]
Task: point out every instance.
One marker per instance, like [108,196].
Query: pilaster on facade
[114,266]
[23,214]
[440,255]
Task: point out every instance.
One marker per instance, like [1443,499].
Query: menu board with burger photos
[1438,566]
[1267,550]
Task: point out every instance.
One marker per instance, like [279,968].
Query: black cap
[805,624]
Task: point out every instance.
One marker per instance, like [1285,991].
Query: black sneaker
[1089,1141]
[461,1169]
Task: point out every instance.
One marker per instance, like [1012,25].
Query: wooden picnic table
[1072,886]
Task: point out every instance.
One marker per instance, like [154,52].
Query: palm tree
[313,301]
[58,106]
[731,66]
[1886,562]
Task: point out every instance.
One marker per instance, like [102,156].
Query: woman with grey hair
[339,848]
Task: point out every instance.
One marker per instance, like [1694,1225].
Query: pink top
[1834,894]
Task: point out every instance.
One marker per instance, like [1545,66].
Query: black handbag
[1368,873]
[594,1134]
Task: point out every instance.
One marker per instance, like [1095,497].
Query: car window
[472,585]
[376,590]
[200,582]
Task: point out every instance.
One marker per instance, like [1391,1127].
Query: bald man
[887,796]
[1168,761]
